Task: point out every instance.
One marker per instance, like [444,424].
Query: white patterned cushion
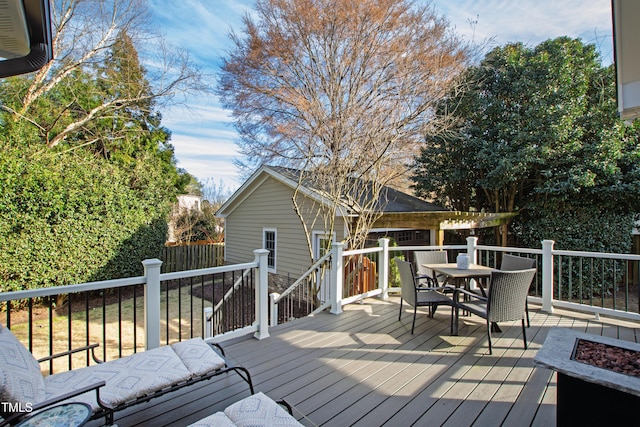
[20,377]
[258,410]
[198,356]
[219,419]
[127,378]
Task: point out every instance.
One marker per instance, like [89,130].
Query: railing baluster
[570,296]
[242,301]
[603,287]
[30,323]
[627,277]
[166,314]
[202,305]
[615,283]
[191,310]
[179,310]
[248,300]
[539,276]
[119,322]
[135,318]
[228,308]
[69,326]
[234,313]
[104,326]
[87,322]
[51,333]
[7,320]
[215,320]
[557,277]
[591,275]
[580,280]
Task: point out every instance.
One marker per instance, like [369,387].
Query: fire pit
[598,378]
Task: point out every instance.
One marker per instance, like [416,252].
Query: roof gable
[390,201]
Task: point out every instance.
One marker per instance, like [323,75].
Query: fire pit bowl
[598,378]
[611,357]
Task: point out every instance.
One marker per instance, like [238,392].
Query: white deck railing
[154,311]
[586,281]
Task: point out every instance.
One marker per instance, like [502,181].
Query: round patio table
[65,415]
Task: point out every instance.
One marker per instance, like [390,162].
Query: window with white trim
[269,240]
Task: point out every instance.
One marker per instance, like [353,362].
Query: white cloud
[214,168]
[531,21]
[201,27]
[212,145]
[196,113]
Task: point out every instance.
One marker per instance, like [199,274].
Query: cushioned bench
[257,410]
[107,387]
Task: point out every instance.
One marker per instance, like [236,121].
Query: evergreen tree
[537,133]
[94,205]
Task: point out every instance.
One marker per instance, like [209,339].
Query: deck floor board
[365,368]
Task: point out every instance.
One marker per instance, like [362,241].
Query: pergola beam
[443,220]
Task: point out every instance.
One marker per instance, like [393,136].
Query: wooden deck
[364,368]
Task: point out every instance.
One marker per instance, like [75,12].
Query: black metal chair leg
[413,325]
[400,314]
[452,314]
[524,335]
[526,310]
[489,336]
[454,322]
[432,310]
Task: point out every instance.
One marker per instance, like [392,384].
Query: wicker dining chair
[430,257]
[514,263]
[506,300]
[420,296]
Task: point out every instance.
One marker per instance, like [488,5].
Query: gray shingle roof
[391,200]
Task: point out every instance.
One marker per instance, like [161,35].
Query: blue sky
[201,130]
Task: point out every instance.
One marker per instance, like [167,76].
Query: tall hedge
[69,217]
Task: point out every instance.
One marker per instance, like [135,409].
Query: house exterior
[260,214]
[188,202]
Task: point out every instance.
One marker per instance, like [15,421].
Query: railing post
[383,270]
[335,291]
[547,276]
[274,308]
[152,303]
[262,293]
[472,252]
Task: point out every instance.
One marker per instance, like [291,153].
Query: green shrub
[69,218]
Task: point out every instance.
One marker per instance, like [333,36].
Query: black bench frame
[107,411]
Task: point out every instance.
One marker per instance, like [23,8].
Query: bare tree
[84,34]
[215,192]
[344,90]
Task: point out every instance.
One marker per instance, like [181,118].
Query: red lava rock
[609,357]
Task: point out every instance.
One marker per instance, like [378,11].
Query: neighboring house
[185,203]
[260,214]
[188,202]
